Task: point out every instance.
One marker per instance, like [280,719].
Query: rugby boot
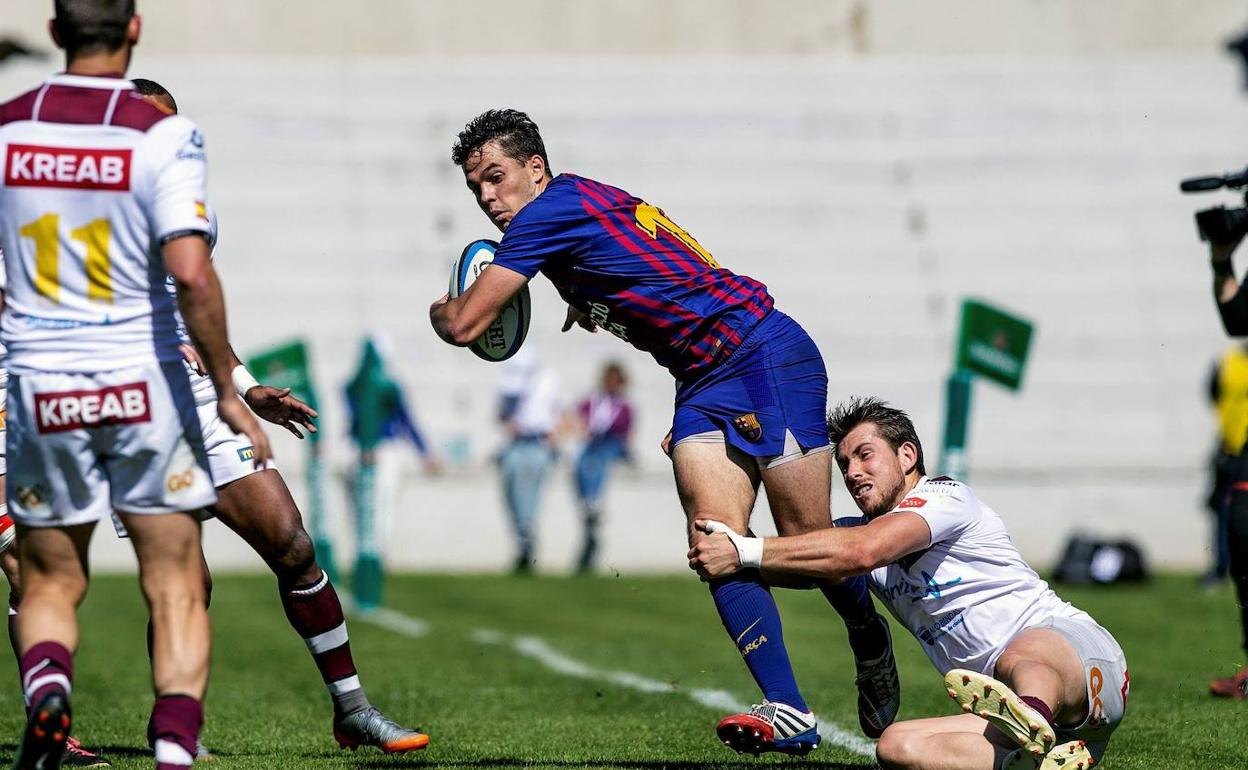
[879,690]
[202,754]
[1233,687]
[369,727]
[993,701]
[1067,756]
[77,756]
[770,726]
[47,730]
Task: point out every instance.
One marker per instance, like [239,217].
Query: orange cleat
[369,727]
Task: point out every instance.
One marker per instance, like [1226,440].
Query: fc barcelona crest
[748,426]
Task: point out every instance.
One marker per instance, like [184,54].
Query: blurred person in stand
[530,410]
[381,423]
[606,418]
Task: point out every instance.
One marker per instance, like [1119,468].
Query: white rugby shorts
[1105,675]
[229,456]
[85,445]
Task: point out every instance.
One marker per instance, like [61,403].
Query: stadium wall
[870,194]
[669,27]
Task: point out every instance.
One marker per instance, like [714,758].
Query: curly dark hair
[92,26]
[515,132]
[893,425]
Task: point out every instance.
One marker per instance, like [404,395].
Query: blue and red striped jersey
[635,272]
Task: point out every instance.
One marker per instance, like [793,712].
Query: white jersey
[93,181]
[201,384]
[970,592]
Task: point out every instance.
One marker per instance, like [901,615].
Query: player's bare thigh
[1043,662]
[800,493]
[259,507]
[715,481]
[914,739]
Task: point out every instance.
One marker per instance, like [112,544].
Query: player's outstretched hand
[577,318]
[240,419]
[281,408]
[716,555]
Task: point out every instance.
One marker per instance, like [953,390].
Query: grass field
[604,672]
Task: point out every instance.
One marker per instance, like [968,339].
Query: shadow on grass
[602,764]
[9,750]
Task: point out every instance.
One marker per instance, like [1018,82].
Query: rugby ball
[504,336]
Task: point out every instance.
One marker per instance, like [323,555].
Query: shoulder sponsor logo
[77,409]
[81,168]
[913,502]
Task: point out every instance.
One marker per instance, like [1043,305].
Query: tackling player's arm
[203,307]
[463,319]
[827,553]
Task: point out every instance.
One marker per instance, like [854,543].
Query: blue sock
[750,617]
[852,601]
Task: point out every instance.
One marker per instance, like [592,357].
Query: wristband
[243,381]
[749,549]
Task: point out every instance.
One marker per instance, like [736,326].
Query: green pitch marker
[993,344]
[288,366]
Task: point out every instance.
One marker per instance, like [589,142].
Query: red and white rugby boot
[77,756]
[770,726]
[1233,687]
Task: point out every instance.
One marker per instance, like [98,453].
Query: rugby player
[750,398]
[255,503]
[1028,668]
[102,195]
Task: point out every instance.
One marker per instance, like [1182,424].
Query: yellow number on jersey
[94,237]
[651,219]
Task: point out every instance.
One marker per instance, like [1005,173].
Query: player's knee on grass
[898,748]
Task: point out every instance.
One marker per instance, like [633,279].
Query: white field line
[537,649]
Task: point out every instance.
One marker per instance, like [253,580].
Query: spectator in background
[380,424]
[607,420]
[529,409]
[1228,392]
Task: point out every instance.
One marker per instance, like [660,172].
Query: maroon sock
[1040,706]
[46,668]
[315,613]
[176,720]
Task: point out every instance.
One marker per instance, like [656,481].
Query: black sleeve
[1214,385]
[1235,313]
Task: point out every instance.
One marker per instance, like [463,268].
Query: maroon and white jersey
[93,181]
[967,594]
